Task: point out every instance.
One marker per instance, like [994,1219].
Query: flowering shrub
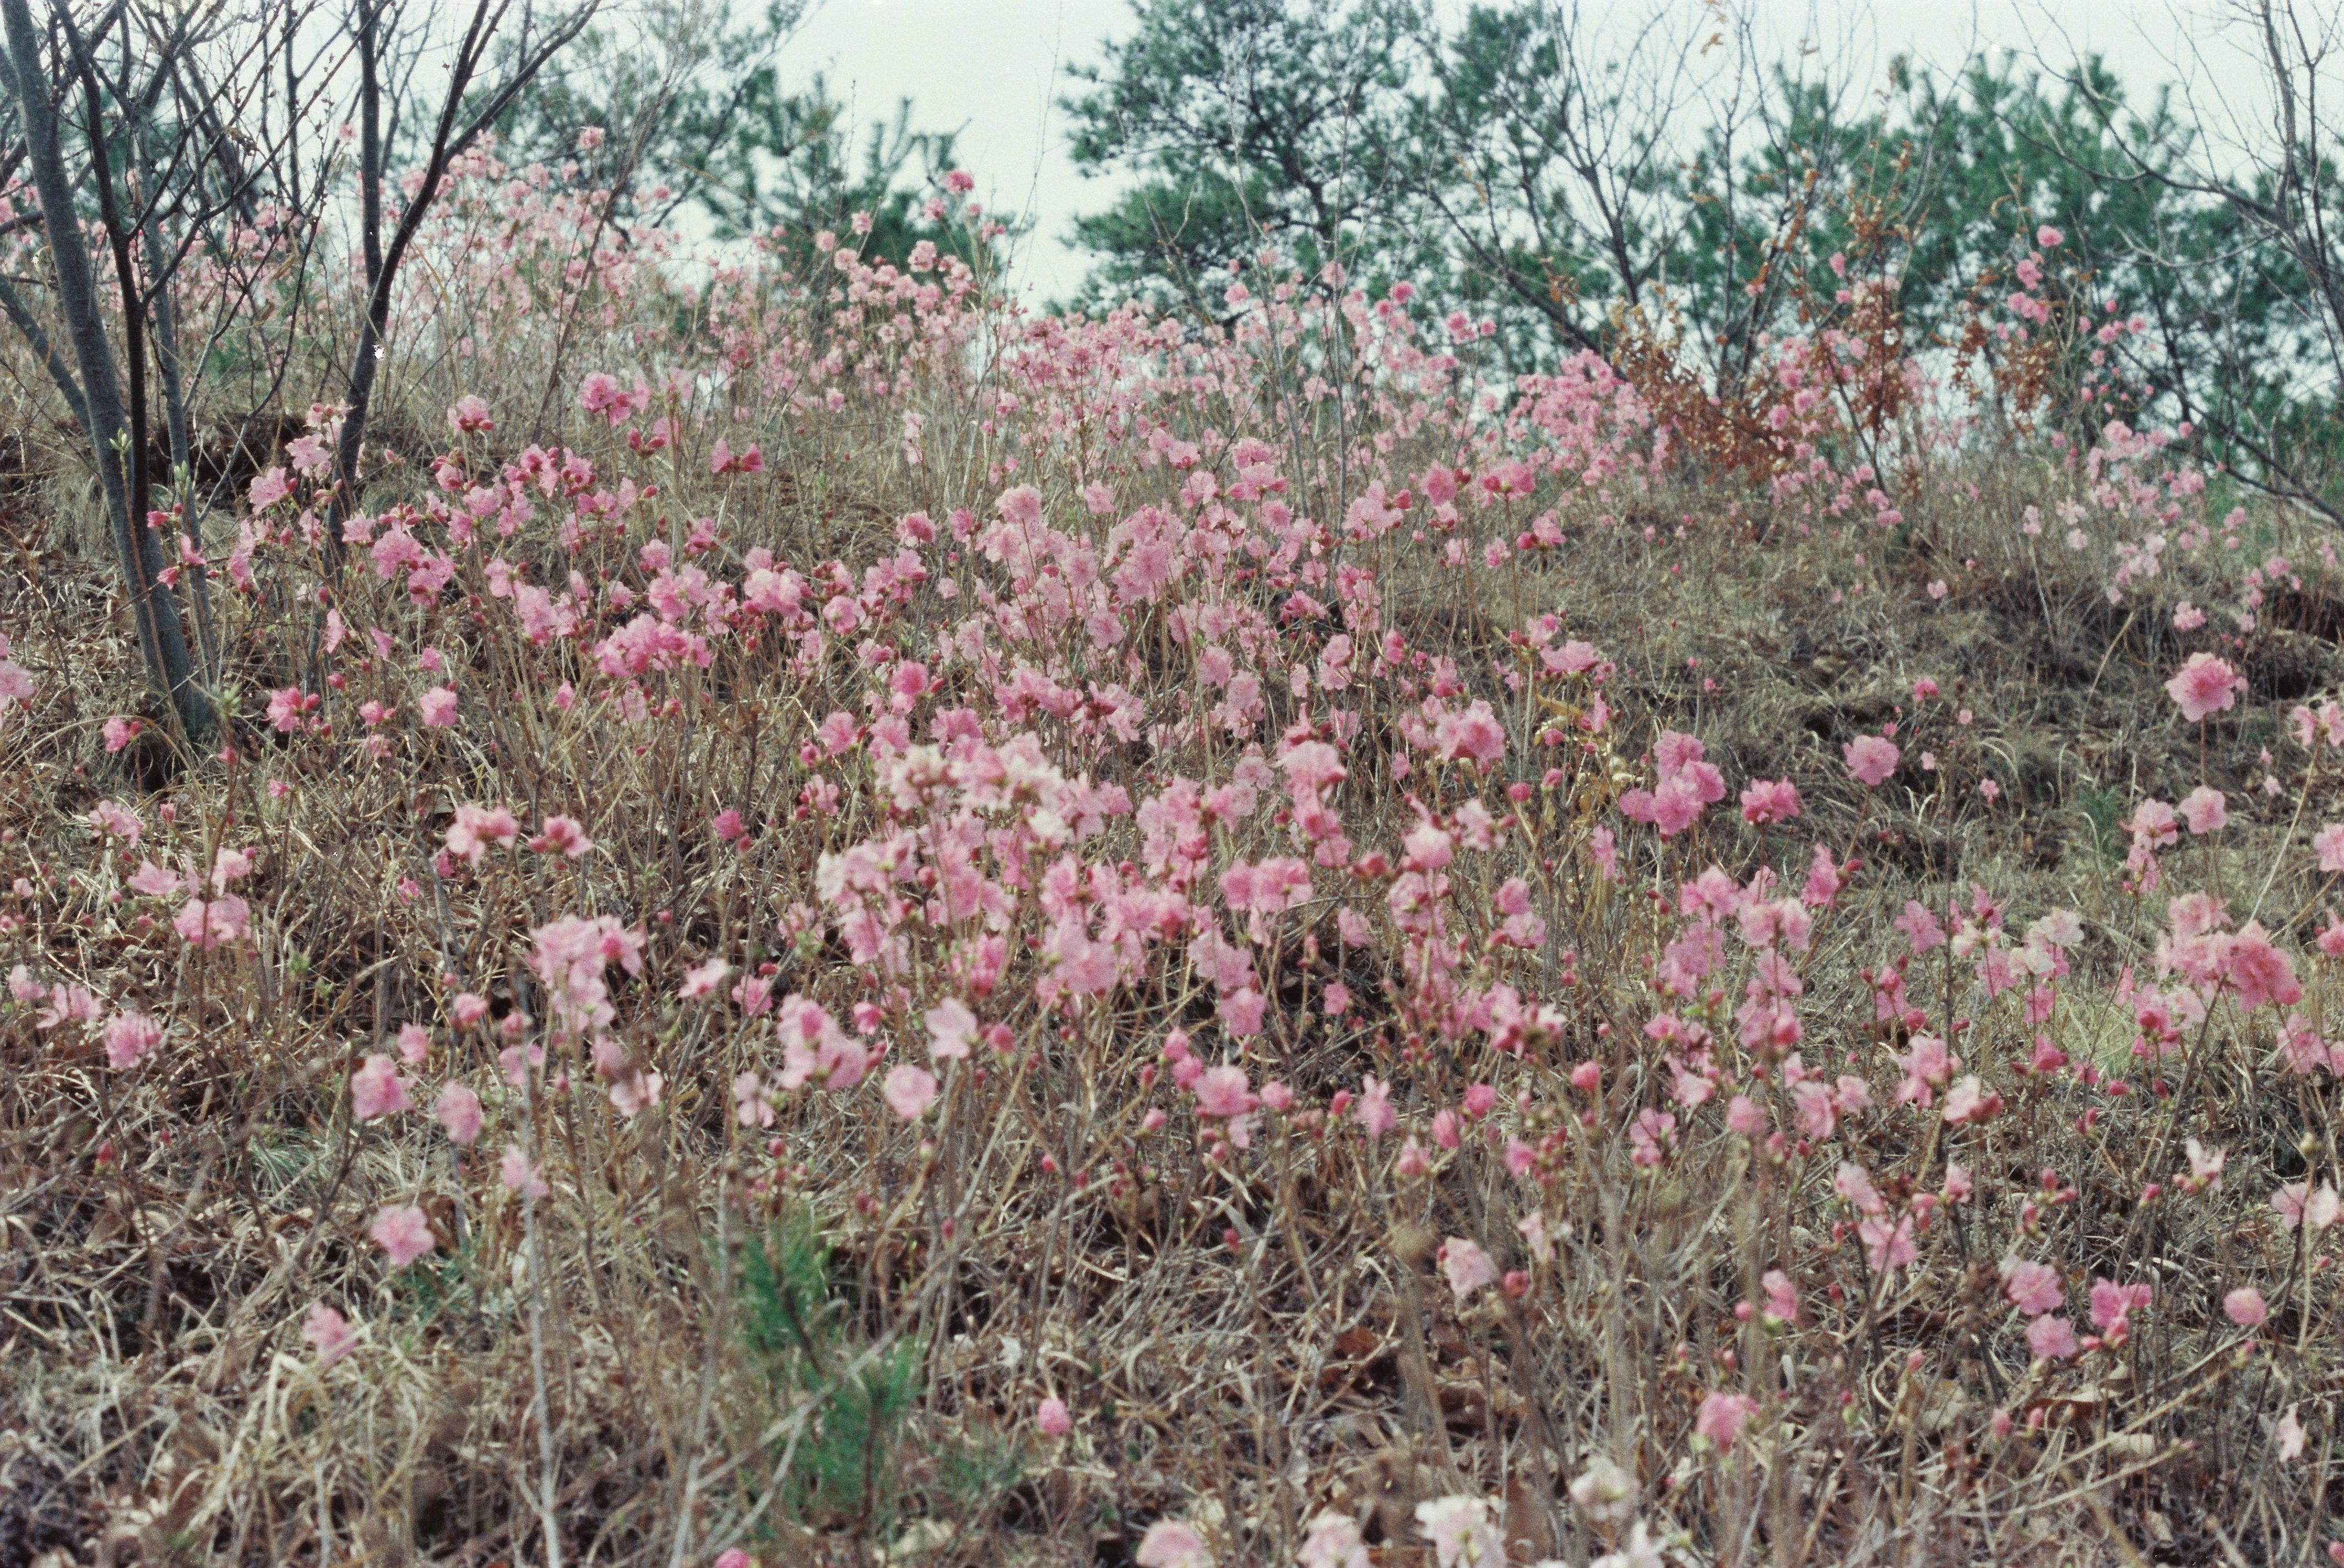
[1194,860]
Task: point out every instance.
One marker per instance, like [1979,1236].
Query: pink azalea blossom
[518,1175]
[1721,1417]
[2298,1205]
[951,1028]
[1052,1419]
[1169,1544]
[1468,1267]
[129,1037]
[2204,809]
[478,827]
[703,979]
[1870,759]
[328,1333]
[1461,1533]
[1223,1091]
[1769,800]
[377,1090]
[909,1091]
[2051,1340]
[206,923]
[2033,1288]
[403,1232]
[458,1109]
[563,835]
[2204,686]
[1333,1541]
[2287,1437]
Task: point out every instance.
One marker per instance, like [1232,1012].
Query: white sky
[994,70]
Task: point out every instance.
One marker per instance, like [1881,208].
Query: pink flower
[814,1048]
[207,923]
[438,707]
[1685,785]
[155,882]
[1374,1108]
[404,1231]
[1169,1544]
[2204,809]
[703,979]
[467,1009]
[2204,686]
[1469,1267]
[2328,844]
[2259,972]
[1769,800]
[1920,927]
[2049,238]
[377,1090]
[328,1333]
[1971,1101]
[113,817]
[2288,1438]
[2033,1288]
[602,394]
[951,1028]
[1461,1534]
[1888,1246]
[1606,1491]
[2051,1338]
[517,1175]
[1870,759]
[458,1109]
[2114,1304]
[68,1004]
[268,488]
[909,1091]
[2298,1205]
[118,734]
[1333,1542]
[1052,1419]
[1223,1091]
[128,1037]
[477,827]
[563,835]
[2244,1306]
[1721,1417]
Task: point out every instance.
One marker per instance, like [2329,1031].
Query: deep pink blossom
[1870,759]
[2204,686]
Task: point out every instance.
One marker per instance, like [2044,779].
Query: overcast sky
[994,70]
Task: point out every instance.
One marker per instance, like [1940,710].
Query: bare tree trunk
[120,462]
[168,370]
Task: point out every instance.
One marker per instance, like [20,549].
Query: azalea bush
[845,924]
